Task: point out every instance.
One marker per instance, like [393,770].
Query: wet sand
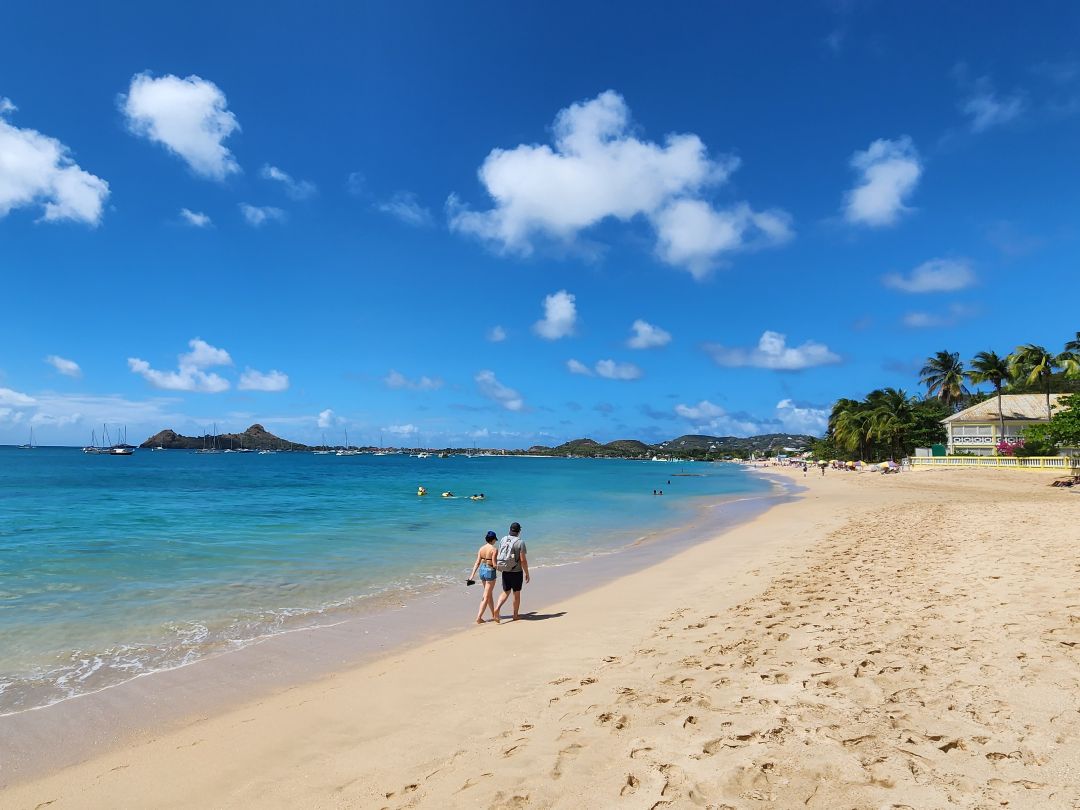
[884,641]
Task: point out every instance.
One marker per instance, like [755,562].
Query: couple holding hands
[507,558]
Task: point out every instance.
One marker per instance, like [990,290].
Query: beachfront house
[977,430]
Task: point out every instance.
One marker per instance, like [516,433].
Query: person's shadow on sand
[533,616]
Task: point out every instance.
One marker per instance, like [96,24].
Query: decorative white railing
[1026,463]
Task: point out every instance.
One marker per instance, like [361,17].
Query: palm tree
[943,376]
[852,425]
[1032,363]
[1070,358]
[989,367]
[839,407]
[892,417]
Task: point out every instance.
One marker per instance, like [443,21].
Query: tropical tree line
[890,423]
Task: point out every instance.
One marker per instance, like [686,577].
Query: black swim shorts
[512,580]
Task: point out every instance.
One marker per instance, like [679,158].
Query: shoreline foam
[153,701]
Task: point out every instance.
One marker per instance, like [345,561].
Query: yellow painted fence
[1031,463]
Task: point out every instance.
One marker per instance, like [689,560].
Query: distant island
[255,437]
[691,446]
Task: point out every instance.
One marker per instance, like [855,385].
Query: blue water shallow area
[111,567]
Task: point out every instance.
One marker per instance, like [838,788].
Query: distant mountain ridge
[691,445]
[688,445]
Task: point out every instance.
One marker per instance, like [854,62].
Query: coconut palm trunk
[1001,416]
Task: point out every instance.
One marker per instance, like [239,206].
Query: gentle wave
[238,550]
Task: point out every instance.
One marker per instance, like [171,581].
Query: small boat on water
[121,448]
[31,445]
[210,446]
[348,450]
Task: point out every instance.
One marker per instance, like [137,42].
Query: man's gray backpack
[509,553]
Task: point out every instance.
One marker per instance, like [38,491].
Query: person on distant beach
[511,560]
[485,566]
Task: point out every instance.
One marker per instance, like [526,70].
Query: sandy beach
[882,641]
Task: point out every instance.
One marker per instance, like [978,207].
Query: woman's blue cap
[490,536]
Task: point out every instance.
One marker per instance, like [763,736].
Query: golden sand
[885,641]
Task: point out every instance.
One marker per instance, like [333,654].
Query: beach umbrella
[824,463]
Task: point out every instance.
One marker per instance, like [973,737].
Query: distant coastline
[689,446]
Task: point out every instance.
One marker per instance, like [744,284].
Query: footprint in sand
[468,783]
[565,754]
[501,801]
[631,785]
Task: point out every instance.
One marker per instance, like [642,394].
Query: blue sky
[516,225]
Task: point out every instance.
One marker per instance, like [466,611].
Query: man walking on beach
[512,562]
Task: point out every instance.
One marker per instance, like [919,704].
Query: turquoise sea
[112,567]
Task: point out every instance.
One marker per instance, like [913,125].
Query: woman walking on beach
[485,566]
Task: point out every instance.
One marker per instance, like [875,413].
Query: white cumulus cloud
[189,117]
[703,410]
[986,108]
[496,334]
[402,430]
[273,380]
[772,352]
[196,219]
[692,233]
[647,336]
[936,275]
[405,206]
[599,169]
[397,380]
[560,316]
[577,367]
[708,418]
[802,419]
[69,368]
[789,417]
[36,170]
[15,399]
[494,390]
[888,171]
[258,215]
[297,189]
[928,320]
[327,418]
[190,374]
[610,370]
